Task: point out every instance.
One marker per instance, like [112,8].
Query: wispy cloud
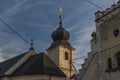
[36,25]
[38,3]
[82,39]
[102,3]
[13,9]
[76,12]
[82,44]
[11,45]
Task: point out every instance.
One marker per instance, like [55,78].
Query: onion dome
[60,33]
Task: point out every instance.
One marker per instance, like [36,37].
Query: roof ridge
[55,65]
[24,58]
[10,63]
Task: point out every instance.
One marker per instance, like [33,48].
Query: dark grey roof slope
[39,64]
[62,43]
[4,66]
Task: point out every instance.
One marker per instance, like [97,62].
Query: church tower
[61,51]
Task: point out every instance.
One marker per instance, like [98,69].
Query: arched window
[66,55]
[118,59]
[109,64]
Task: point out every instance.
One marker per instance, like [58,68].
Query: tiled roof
[38,64]
[62,43]
[4,66]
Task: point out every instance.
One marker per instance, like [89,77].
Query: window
[116,32]
[66,55]
[118,59]
[109,64]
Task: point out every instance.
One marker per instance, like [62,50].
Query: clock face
[116,32]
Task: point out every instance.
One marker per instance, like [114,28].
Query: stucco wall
[90,72]
[57,54]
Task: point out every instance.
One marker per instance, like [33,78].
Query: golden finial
[60,18]
[61,12]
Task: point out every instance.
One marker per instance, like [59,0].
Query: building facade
[104,59]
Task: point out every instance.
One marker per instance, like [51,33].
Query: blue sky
[37,19]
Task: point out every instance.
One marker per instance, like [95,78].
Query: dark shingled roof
[35,65]
[6,65]
[39,64]
[60,34]
[62,43]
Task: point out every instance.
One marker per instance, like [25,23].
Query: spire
[60,26]
[60,33]
[31,43]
